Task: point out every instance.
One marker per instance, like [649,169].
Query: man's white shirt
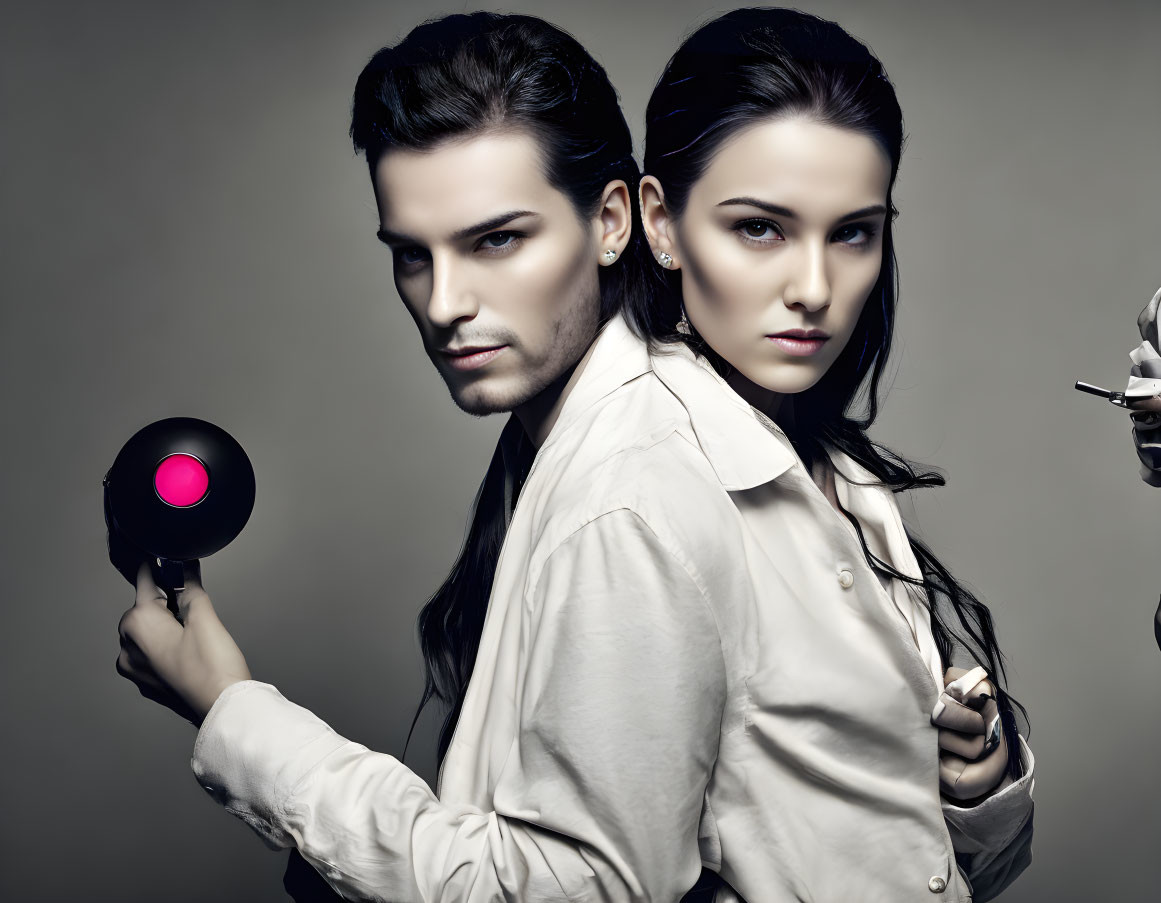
[686,660]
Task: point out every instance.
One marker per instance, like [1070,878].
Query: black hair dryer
[180,489]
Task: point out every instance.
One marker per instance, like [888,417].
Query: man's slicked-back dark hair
[468,75]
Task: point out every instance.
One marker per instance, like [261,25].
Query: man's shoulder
[634,452]
[635,433]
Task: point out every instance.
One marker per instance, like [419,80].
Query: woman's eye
[854,235]
[759,230]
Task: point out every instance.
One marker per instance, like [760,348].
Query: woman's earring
[665,260]
[609,255]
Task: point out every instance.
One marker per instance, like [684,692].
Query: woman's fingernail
[994,734]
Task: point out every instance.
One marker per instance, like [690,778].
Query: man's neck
[538,415]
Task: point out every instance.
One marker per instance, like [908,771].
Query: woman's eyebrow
[873,210]
[761,205]
[777,210]
[396,238]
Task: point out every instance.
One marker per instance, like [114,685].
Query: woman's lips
[798,346]
[472,358]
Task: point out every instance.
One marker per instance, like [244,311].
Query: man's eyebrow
[494,223]
[395,238]
[776,210]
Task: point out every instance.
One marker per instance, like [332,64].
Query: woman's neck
[773,404]
[780,408]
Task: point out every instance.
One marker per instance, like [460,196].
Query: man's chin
[479,402]
[480,407]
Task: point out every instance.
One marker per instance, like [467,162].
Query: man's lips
[471,357]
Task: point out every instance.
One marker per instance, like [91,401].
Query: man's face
[492,263]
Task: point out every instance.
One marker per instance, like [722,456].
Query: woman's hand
[182,662]
[973,754]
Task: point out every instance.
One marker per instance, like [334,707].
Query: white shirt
[685,660]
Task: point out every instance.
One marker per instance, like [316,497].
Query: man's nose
[452,296]
[809,285]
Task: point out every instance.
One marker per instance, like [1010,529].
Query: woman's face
[779,245]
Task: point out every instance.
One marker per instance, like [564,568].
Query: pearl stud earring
[665,260]
[610,255]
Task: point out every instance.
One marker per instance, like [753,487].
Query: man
[1143,397]
[503,173]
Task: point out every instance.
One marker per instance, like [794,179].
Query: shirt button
[846,579]
[936,885]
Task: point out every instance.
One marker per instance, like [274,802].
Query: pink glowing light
[181,480]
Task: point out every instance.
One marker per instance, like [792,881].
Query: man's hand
[1143,394]
[1151,404]
[973,754]
[182,662]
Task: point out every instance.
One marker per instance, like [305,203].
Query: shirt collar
[743,450]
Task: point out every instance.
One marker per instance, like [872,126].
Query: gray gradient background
[187,232]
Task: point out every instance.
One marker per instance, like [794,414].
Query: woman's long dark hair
[471,74]
[751,66]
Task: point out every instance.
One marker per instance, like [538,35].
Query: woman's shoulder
[848,468]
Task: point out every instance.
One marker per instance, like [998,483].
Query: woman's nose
[809,286]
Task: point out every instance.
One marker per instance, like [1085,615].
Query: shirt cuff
[253,748]
[994,823]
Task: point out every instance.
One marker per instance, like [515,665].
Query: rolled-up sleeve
[622,687]
[993,840]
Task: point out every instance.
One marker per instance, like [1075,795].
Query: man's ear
[614,222]
[658,224]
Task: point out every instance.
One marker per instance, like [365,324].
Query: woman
[773,143]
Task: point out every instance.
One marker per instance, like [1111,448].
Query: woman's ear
[657,223]
[615,221]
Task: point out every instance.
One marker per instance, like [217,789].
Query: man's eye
[410,256]
[498,239]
